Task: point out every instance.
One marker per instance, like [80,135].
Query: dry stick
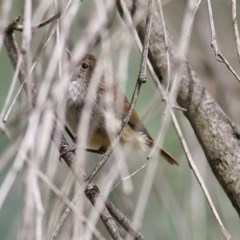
[168,78]
[141,79]
[219,56]
[126,224]
[235,27]
[143,66]
[69,158]
[193,168]
[144,202]
[130,175]
[19,27]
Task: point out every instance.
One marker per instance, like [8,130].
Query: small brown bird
[106,116]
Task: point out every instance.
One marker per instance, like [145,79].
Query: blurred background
[176,207]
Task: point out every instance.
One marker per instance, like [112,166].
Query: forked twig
[219,56]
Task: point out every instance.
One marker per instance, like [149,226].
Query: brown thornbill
[106,116]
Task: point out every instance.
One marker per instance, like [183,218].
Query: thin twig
[168,77]
[19,27]
[219,56]
[143,66]
[10,92]
[131,175]
[235,27]
[41,48]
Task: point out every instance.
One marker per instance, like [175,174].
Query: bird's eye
[84,66]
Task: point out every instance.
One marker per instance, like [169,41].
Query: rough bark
[217,134]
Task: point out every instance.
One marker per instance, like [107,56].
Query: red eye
[84,66]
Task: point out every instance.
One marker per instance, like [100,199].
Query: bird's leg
[101,150]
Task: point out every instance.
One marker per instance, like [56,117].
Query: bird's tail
[166,155]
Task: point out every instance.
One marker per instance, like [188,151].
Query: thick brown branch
[216,133]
